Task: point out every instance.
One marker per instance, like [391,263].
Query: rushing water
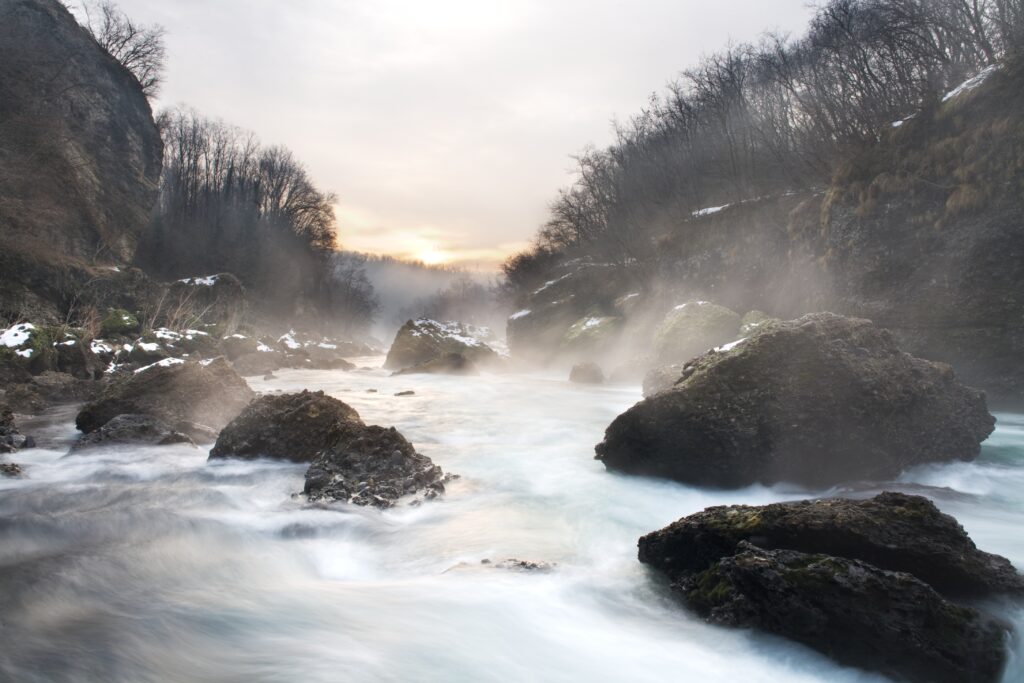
[150,564]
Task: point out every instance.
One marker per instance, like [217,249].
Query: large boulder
[893,531]
[592,334]
[287,426]
[258,363]
[692,328]
[586,373]
[372,465]
[423,340]
[867,582]
[80,156]
[661,378]
[445,364]
[817,401]
[131,429]
[852,611]
[190,397]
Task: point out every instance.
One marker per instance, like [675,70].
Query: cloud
[448,122]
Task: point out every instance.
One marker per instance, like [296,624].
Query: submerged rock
[819,400]
[372,465]
[447,364]
[287,426]
[692,328]
[131,429]
[586,373]
[892,531]
[191,397]
[867,582]
[852,611]
[421,341]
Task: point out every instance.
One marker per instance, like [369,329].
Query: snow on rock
[100,346]
[164,333]
[166,362]
[25,353]
[325,345]
[263,348]
[690,303]
[551,282]
[207,281]
[971,83]
[289,340]
[709,210]
[730,346]
[148,347]
[520,314]
[16,335]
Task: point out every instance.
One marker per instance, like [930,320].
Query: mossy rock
[692,328]
[592,332]
[754,321]
[119,322]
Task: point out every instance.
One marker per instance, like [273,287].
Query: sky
[445,127]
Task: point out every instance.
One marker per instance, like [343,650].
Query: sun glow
[433,257]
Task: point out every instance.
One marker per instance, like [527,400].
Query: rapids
[151,564]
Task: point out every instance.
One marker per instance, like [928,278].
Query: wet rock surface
[131,429]
[893,531]
[194,398]
[287,426]
[372,465]
[819,400]
[869,583]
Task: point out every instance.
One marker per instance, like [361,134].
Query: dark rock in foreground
[852,611]
[861,581]
[191,397]
[893,531]
[586,373]
[446,364]
[819,400]
[131,429]
[371,465]
[287,426]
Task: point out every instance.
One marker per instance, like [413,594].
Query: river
[151,564]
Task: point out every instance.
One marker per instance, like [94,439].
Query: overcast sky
[445,127]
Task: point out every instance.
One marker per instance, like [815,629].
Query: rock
[592,334]
[253,364]
[892,531]
[661,378]
[817,401]
[179,394]
[512,564]
[325,356]
[10,469]
[27,397]
[235,345]
[82,153]
[221,298]
[131,429]
[286,426]
[406,393]
[752,321]
[421,341]
[147,351]
[692,328]
[586,373]
[119,322]
[447,364]
[852,611]
[11,440]
[372,465]
[60,387]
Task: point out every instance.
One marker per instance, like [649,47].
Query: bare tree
[139,48]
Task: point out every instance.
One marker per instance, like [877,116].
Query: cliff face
[80,154]
[923,233]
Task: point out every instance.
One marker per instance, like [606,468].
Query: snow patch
[100,346]
[207,281]
[165,363]
[691,303]
[520,314]
[730,346]
[263,348]
[325,345]
[972,83]
[26,353]
[709,210]
[16,335]
[148,347]
[289,340]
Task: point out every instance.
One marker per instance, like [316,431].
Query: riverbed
[151,564]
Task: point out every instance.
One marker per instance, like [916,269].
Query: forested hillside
[843,169]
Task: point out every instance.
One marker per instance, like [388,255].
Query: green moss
[737,523]
[710,588]
[118,322]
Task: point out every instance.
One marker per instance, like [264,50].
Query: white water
[150,564]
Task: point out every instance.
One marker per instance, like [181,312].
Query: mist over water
[151,564]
